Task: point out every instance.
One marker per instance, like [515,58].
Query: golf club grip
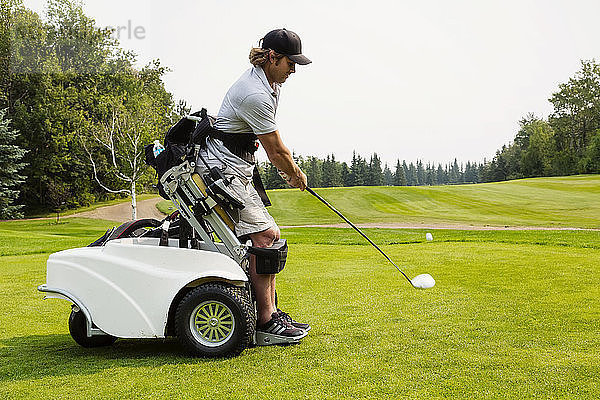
[356,229]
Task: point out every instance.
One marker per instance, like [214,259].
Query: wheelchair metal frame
[187,191]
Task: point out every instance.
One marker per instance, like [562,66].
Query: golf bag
[179,145]
[205,204]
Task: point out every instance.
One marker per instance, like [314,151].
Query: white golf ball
[423,281]
[429,237]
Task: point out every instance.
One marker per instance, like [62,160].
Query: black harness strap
[260,188]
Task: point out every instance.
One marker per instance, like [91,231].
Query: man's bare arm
[281,157]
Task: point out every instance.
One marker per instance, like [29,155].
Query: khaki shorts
[254,217]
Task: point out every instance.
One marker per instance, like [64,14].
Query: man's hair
[259,57]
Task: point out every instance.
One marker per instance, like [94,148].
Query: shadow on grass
[36,356]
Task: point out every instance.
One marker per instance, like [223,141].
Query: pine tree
[336,173]
[359,171]
[363,172]
[375,175]
[352,175]
[421,178]
[411,177]
[405,170]
[10,168]
[442,178]
[400,175]
[327,168]
[454,173]
[470,173]
[388,177]
[299,160]
[430,177]
[273,179]
[331,176]
[345,174]
[314,172]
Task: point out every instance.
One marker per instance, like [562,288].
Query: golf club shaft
[356,229]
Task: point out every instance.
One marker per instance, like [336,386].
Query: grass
[572,201]
[20,238]
[165,207]
[514,314]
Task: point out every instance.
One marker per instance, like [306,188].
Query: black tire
[78,330]
[215,320]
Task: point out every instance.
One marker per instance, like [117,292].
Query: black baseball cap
[287,43]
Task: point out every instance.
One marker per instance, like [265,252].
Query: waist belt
[243,145]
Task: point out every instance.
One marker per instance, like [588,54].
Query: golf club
[423,281]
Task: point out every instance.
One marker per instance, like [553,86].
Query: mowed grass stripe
[388,236]
[545,202]
[45,236]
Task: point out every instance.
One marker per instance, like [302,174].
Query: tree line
[329,172]
[73,101]
[565,143]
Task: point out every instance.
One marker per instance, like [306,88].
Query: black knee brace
[270,260]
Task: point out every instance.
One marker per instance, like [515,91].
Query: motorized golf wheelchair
[186,276]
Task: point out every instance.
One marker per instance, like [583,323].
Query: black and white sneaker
[287,318]
[277,331]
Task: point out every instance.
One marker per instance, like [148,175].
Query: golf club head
[423,281]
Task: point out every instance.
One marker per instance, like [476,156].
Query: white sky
[429,79]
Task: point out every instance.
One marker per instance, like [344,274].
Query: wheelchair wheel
[215,320]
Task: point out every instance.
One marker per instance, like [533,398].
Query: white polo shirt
[250,105]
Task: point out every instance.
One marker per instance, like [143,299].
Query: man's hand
[298,181]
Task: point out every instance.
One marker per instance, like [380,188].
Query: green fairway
[514,314]
[572,201]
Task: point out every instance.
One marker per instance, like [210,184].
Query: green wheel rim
[212,323]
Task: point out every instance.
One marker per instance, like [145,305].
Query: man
[248,111]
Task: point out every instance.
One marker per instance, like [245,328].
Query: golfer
[249,109]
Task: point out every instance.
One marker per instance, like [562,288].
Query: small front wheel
[215,320]
[78,330]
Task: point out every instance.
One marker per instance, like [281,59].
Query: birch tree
[115,143]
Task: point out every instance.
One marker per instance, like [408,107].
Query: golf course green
[544,202]
[572,201]
[514,313]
